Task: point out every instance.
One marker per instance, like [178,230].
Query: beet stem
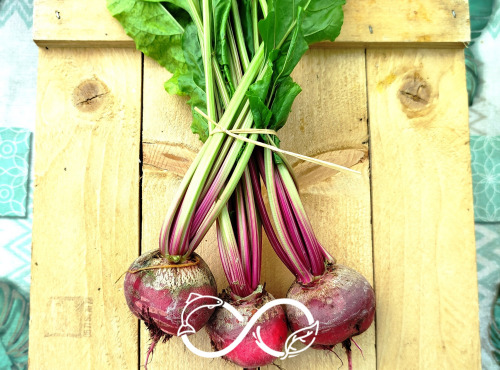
[299,268]
[266,222]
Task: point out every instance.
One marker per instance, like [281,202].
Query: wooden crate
[388,99]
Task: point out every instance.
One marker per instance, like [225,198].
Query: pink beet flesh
[342,300]
[223,329]
[158,296]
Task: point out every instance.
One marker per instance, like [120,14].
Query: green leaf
[282,103]
[221,10]
[323,20]
[288,30]
[260,88]
[190,80]
[199,125]
[290,53]
[192,55]
[260,112]
[245,10]
[180,3]
[172,84]
[273,29]
[257,93]
[156,32]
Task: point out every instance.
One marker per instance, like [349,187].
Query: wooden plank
[417,22]
[367,23]
[423,227]
[76,23]
[334,101]
[86,201]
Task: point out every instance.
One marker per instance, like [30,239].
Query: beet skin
[342,300]
[223,329]
[158,296]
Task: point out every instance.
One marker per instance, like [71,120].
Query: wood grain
[367,23]
[75,23]
[86,201]
[331,199]
[423,228]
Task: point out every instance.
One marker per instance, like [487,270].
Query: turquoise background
[18,63]
[15,146]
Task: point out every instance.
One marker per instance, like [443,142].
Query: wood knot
[416,95]
[89,95]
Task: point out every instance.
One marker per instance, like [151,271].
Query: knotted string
[238,132]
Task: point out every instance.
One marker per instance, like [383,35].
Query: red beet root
[158,295]
[342,300]
[223,329]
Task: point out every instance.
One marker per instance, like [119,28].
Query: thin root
[150,351]
[330,348]
[360,350]
[278,366]
[155,333]
[347,345]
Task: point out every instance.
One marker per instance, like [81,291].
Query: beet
[342,300]
[223,329]
[158,295]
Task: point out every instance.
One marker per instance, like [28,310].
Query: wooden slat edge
[321,45]
[86,200]
[402,23]
[423,226]
[76,43]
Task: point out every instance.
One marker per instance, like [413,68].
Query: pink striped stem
[299,269]
[230,257]
[255,227]
[266,221]
[176,202]
[312,246]
[242,231]
[224,195]
[287,212]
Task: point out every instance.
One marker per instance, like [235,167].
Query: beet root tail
[150,351]
[347,345]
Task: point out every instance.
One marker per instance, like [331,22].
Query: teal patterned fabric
[14,327]
[24,8]
[488,273]
[485,155]
[494,328]
[15,145]
[18,71]
[18,66]
[484,118]
[15,246]
[480,12]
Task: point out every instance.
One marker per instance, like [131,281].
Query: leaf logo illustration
[300,336]
[192,304]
